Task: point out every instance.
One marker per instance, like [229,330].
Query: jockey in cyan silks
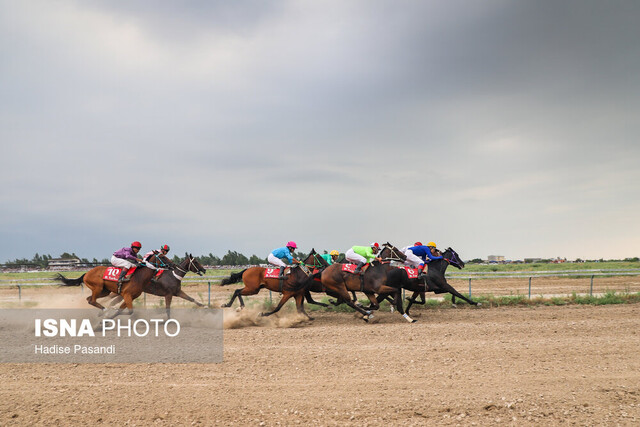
[277,256]
[331,257]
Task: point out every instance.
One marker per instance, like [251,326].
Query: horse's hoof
[393,310]
[239,309]
[224,305]
[454,306]
[261,314]
[478,304]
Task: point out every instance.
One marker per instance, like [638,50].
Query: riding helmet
[136,245]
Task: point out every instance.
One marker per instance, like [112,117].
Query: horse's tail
[234,278]
[69,282]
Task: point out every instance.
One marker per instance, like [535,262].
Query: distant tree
[475,261]
[256,260]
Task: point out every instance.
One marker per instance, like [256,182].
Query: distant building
[495,258]
[63,263]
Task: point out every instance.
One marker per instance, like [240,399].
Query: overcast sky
[494,127]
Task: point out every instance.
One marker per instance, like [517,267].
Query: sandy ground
[466,366]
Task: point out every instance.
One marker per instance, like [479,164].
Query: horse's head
[391,253]
[315,260]
[454,258]
[194,265]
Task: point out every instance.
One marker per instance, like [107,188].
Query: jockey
[362,254]
[164,250]
[277,256]
[417,255]
[331,257]
[126,258]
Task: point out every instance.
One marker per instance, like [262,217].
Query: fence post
[591,288]
[270,299]
[469,287]
[209,298]
[529,287]
[19,293]
[144,299]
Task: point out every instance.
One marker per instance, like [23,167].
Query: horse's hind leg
[300,306]
[96,291]
[310,300]
[167,301]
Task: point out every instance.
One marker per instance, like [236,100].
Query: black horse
[170,283]
[433,281]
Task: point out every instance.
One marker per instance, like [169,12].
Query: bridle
[394,256]
[184,272]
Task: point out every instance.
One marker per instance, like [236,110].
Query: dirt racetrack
[466,366]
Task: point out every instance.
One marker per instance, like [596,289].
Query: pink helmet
[292,244]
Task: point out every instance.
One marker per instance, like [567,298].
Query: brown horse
[170,283]
[338,283]
[293,285]
[131,289]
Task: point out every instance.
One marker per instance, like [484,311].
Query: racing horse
[433,281]
[254,279]
[132,289]
[373,280]
[317,264]
[170,285]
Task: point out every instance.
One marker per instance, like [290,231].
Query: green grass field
[469,268]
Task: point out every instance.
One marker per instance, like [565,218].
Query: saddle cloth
[411,272]
[351,268]
[113,273]
[273,273]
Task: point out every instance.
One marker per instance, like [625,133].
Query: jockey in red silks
[164,250]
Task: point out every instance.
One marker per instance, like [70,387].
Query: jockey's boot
[358,268]
[421,271]
[155,279]
[121,278]
[281,275]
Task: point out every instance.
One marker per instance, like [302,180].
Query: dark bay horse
[293,285]
[338,283]
[433,282]
[170,283]
[130,290]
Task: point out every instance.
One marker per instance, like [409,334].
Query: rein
[184,272]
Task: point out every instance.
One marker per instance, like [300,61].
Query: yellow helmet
[431,245]
[334,253]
